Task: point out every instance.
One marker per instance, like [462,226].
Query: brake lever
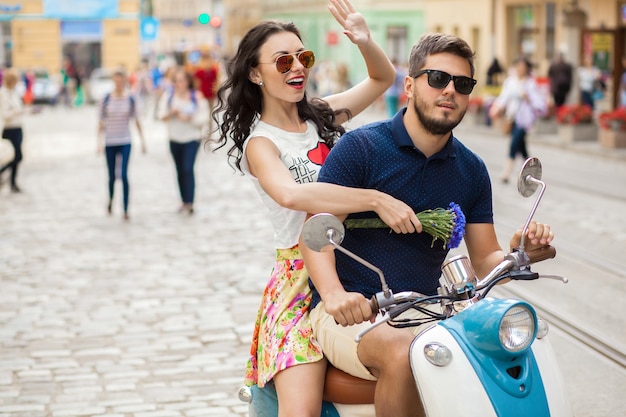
[374,325]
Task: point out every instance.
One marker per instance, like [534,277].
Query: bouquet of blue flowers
[447,225]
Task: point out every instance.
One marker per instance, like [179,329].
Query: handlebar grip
[541,254]
[374,305]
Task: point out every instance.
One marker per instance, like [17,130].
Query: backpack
[192,94]
[106,100]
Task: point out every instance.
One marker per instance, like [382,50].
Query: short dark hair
[436,43]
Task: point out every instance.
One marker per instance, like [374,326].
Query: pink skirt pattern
[282,333]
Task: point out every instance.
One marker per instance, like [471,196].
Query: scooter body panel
[452,390]
[553,383]
[482,378]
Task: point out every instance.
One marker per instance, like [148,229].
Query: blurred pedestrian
[521,103]
[393,93]
[165,85]
[117,109]
[206,77]
[64,92]
[186,114]
[29,83]
[79,97]
[11,111]
[560,76]
[589,80]
[141,87]
[494,73]
[622,84]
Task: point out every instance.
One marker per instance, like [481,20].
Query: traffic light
[204,18]
[214,21]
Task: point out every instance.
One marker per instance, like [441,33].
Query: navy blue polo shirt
[382,156]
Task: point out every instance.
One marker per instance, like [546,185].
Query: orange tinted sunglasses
[285,62]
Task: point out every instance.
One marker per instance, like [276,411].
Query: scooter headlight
[500,328]
[517,328]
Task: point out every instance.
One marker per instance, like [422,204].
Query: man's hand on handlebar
[348,308]
[538,235]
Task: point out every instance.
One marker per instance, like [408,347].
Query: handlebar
[541,254]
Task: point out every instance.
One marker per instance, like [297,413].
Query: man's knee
[386,349]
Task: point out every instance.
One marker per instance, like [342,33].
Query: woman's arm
[201,115]
[380,70]
[264,162]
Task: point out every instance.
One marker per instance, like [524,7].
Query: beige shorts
[338,342]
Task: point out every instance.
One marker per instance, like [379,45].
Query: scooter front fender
[451,390]
[458,389]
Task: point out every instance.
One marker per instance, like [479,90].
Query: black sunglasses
[439,79]
[285,62]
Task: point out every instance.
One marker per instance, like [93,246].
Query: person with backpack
[186,113]
[117,109]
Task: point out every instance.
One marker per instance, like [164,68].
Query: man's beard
[434,126]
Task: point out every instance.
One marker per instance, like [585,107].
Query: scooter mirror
[322,230]
[527,182]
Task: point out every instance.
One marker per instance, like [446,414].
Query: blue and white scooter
[482,357]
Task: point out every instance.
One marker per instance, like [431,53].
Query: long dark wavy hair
[240,101]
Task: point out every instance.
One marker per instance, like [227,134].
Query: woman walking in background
[117,109]
[186,113]
[521,103]
[11,111]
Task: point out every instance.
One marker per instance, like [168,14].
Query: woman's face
[289,86]
[520,67]
[180,81]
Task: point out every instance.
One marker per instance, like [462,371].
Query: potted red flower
[574,114]
[575,123]
[613,128]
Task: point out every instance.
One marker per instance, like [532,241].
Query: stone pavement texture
[146,318]
[102,317]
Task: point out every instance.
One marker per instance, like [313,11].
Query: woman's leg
[177,154]
[517,142]
[111,156]
[14,135]
[125,152]
[300,389]
[188,162]
[522,144]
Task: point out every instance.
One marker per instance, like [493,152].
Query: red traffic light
[215,21]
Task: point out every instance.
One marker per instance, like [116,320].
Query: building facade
[502,29]
[38,34]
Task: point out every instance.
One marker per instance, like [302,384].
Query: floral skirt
[282,332]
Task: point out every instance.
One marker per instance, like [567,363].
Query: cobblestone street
[145,318]
[152,317]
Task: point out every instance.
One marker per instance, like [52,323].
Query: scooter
[482,356]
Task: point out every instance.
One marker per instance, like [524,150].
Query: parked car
[99,85]
[45,87]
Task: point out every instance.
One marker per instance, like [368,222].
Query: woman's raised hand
[353,22]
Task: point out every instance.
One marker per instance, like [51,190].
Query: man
[415,158]
[560,75]
[206,79]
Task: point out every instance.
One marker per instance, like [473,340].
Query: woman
[117,109]
[589,78]
[521,102]
[12,109]
[280,140]
[186,113]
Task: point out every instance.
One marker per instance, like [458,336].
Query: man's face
[439,110]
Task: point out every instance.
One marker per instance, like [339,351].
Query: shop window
[397,43]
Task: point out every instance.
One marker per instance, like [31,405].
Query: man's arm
[347,308]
